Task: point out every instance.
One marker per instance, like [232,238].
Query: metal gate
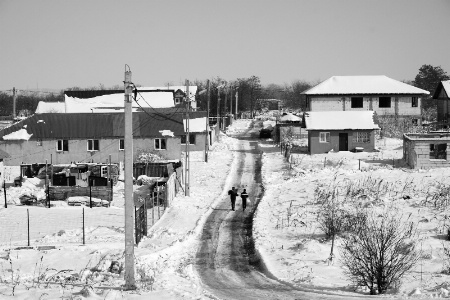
[140,222]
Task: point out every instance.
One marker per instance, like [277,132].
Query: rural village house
[381,94]
[87,137]
[340,131]
[442,93]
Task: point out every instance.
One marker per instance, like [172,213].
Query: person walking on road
[233,193]
[244,197]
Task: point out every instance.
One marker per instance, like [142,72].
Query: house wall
[400,105]
[29,152]
[417,154]
[316,147]
[443,110]
[199,143]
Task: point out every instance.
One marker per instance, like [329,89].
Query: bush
[379,252]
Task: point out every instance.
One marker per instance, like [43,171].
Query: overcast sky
[60,44]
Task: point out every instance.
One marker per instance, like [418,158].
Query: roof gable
[360,85]
[442,90]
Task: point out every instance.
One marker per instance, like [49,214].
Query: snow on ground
[294,250]
[164,258]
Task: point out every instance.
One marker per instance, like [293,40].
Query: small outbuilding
[426,150]
[340,131]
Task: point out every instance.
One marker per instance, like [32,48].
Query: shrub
[379,252]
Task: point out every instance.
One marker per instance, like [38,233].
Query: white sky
[61,44]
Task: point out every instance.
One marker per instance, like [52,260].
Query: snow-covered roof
[104,102]
[192,91]
[290,117]
[20,134]
[379,84]
[339,120]
[196,125]
[50,107]
[443,90]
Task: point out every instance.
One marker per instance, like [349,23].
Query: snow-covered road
[226,261]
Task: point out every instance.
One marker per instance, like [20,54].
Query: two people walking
[234,193]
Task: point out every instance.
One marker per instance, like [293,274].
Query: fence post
[84,240]
[359,167]
[325,162]
[4,191]
[90,193]
[28,226]
[112,191]
[157,199]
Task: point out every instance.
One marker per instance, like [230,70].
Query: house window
[357,102]
[160,144]
[93,145]
[121,145]
[414,101]
[438,151]
[324,137]
[191,139]
[62,145]
[384,102]
[415,122]
[307,102]
[39,142]
[362,137]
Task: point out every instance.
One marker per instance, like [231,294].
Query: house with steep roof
[90,137]
[381,94]
[340,131]
[442,95]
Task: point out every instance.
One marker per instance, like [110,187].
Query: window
[121,145]
[362,137]
[415,122]
[62,145]
[104,171]
[191,139]
[384,102]
[324,137]
[160,144]
[357,102]
[93,145]
[438,151]
[307,102]
[414,101]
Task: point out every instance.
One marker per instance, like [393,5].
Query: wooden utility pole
[14,103]
[207,122]
[237,94]
[186,177]
[130,283]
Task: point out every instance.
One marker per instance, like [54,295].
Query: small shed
[426,150]
[340,131]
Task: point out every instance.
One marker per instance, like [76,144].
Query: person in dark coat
[233,193]
[244,197]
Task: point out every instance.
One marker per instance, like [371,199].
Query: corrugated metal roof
[339,120]
[360,85]
[3,154]
[95,125]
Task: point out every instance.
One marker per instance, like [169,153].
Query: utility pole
[14,103]
[207,121]
[130,283]
[231,100]
[237,102]
[186,177]
[218,107]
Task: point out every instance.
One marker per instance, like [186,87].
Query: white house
[381,94]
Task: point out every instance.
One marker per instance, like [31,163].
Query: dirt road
[226,262]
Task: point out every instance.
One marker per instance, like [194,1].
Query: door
[343,141]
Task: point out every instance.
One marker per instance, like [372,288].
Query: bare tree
[380,251]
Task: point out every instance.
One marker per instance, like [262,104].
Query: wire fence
[22,226]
